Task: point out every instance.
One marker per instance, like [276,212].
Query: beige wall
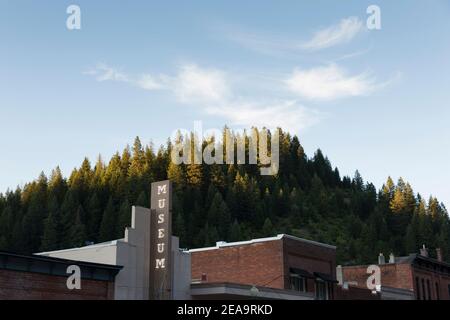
[133,253]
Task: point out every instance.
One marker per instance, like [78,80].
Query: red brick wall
[309,257]
[355,293]
[16,285]
[254,264]
[442,283]
[392,275]
[264,263]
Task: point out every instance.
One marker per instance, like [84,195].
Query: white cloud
[328,83]
[149,82]
[194,84]
[103,72]
[343,32]
[209,89]
[286,114]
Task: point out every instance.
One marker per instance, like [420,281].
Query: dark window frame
[418,296]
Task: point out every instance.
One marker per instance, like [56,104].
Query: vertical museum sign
[160,241]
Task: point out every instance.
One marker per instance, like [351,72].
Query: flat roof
[95,245]
[226,290]
[404,260]
[223,244]
[56,266]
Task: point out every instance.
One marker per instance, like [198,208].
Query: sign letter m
[162,189]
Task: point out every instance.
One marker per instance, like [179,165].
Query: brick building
[280,263]
[423,277]
[42,278]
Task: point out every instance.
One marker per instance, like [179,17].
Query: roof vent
[439,254]
[381,259]
[424,251]
[391,258]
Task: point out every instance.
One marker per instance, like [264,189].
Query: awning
[301,273]
[325,277]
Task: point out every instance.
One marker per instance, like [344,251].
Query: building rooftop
[223,244]
[96,245]
[225,290]
[56,266]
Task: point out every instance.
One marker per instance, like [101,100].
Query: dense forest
[307,198]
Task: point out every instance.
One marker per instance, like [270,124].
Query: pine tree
[138,160]
[219,215]
[412,235]
[68,215]
[176,174]
[308,198]
[179,227]
[94,217]
[267,229]
[77,233]
[107,227]
[124,218]
[142,200]
[235,232]
[52,233]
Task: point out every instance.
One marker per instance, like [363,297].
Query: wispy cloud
[194,84]
[287,114]
[329,82]
[103,72]
[341,33]
[210,90]
[151,83]
[275,44]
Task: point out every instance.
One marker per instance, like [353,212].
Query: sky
[374,100]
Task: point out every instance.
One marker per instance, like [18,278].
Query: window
[423,290]
[330,290]
[298,283]
[437,292]
[321,290]
[418,288]
[429,289]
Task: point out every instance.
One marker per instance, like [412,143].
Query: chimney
[424,251]
[391,258]
[381,259]
[439,254]
[339,275]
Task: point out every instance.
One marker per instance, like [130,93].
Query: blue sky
[372,100]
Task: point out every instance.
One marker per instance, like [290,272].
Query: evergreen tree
[52,232]
[235,232]
[142,200]
[107,227]
[219,216]
[77,233]
[124,218]
[267,229]
[308,198]
[94,217]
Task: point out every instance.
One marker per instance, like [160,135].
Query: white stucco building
[133,253]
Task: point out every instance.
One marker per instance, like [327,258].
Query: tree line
[307,198]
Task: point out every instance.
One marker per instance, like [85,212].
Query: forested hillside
[308,198]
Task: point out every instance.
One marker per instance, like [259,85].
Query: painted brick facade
[16,285]
[264,263]
[257,264]
[392,275]
[429,279]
